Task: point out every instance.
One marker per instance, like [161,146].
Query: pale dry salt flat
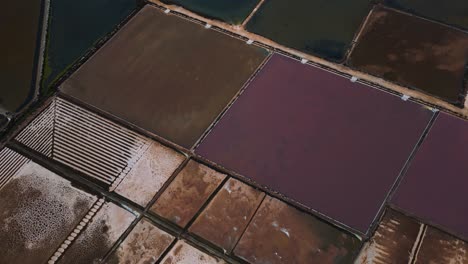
[38,210]
[37,218]
[145,244]
[183,253]
[150,173]
[103,230]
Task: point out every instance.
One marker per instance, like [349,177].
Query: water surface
[330,144]
[165,74]
[20,22]
[423,55]
[321,27]
[454,12]
[435,185]
[75,26]
[231,11]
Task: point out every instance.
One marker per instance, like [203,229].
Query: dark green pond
[20,32]
[231,11]
[75,26]
[454,12]
[321,27]
[3,121]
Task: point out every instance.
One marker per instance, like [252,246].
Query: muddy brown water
[187,193]
[166,75]
[280,233]
[421,54]
[393,241]
[439,247]
[228,214]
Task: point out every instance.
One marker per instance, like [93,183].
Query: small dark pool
[20,34]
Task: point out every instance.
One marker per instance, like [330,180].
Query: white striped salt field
[10,163]
[84,141]
[132,165]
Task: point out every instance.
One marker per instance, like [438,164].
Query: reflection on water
[321,27]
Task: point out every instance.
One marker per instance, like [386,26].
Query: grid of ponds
[173,141]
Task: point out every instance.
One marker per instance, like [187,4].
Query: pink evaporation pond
[333,145]
[435,186]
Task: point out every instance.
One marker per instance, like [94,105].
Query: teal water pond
[75,26]
[321,27]
[231,11]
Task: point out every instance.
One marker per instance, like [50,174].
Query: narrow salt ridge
[84,141]
[10,163]
[38,135]
[74,234]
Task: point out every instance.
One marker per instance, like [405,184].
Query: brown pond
[166,75]
[413,52]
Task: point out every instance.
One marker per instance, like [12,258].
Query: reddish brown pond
[413,52]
